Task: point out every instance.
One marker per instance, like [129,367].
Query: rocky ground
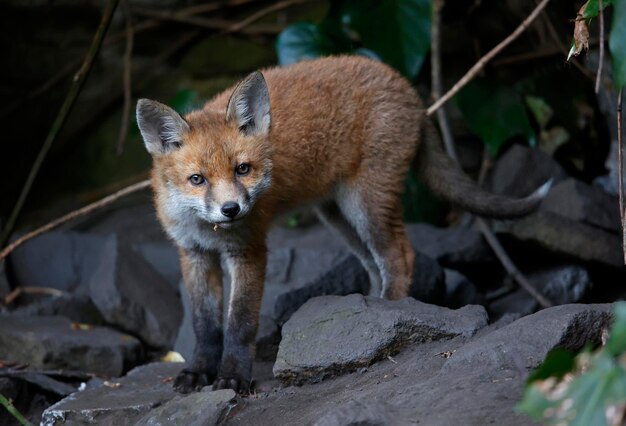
[101,304]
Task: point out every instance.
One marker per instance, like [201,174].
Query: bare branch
[261,13]
[620,168]
[79,79]
[127,76]
[74,214]
[486,58]
[601,54]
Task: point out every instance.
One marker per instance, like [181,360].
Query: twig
[486,58]
[10,298]
[127,75]
[492,240]
[73,215]
[13,411]
[261,13]
[79,79]
[437,85]
[601,54]
[620,168]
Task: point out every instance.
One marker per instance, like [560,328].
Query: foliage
[396,31]
[589,389]
[8,405]
[494,113]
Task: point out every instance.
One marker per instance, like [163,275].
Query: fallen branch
[79,79]
[601,52]
[620,168]
[10,298]
[491,238]
[486,58]
[73,215]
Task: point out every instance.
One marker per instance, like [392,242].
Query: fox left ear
[161,127]
[249,105]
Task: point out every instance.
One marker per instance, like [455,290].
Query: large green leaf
[397,30]
[308,41]
[617,43]
[593,6]
[494,113]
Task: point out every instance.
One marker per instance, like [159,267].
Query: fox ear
[249,105]
[161,127]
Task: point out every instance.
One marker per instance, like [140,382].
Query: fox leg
[331,216]
[378,221]
[247,271]
[202,275]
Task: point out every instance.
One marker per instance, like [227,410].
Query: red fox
[338,133]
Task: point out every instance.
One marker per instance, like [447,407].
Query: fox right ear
[161,127]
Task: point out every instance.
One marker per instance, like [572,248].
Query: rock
[525,343]
[361,413]
[77,308]
[279,263]
[267,339]
[451,247]
[185,338]
[204,408]
[584,203]
[122,402]
[62,260]
[164,259]
[134,297]
[521,170]
[5,286]
[332,335]
[348,276]
[428,284]
[53,343]
[460,291]
[560,284]
[565,237]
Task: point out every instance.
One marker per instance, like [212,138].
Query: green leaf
[617,43]
[397,30]
[534,403]
[593,6]
[184,101]
[494,113]
[308,41]
[557,363]
[540,110]
[616,344]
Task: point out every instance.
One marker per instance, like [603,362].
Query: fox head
[211,165]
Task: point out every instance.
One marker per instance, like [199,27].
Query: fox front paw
[189,381]
[238,384]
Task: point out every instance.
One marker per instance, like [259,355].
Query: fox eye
[197,179]
[242,169]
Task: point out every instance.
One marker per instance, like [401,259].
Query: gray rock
[521,170]
[185,338]
[62,260]
[523,344]
[428,284]
[267,339]
[279,265]
[5,286]
[451,247]
[460,291]
[332,335]
[347,277]
[53,343]
[361,413]
[163,258]
[122,402]
[565,237]
[560,284]
[204,408]
[584,203]
[131,295]
[77,308]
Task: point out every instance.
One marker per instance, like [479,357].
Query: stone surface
[429,279]
[5,285]
[584,203]
[77,308]
[460,291]
[131,295]
[361,413]
[524,343]
[62,260]
[122,402]
[163,258]
[332,335]
[204,408]
[564,237]
[521,170]
[450,246]
[53,343]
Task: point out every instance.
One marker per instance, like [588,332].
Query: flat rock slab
[204,408]
[332,335]
[53,343]
[124,402]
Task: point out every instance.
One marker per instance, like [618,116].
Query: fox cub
[338,133]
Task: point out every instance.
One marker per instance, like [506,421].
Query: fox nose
[230,209]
